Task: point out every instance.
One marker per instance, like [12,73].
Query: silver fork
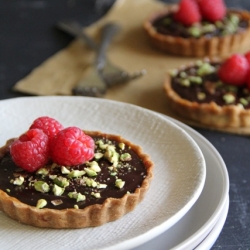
[94,83]
[111,73]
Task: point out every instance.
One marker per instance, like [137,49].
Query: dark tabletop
[28,37]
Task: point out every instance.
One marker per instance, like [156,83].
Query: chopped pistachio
[61,181]
[57,190]
[98,156]
[76,173]
[229,98]
[76,206]
[195,79]
[41,203]
[111,155]
[183,74]
[8,190]
[52,176]
[100,185]
[77,196]
[244,101]
[41,186]
[234,19]
[42,171]
[93,165]
[198,63]
[208,28]
[113,173]
[90,172]
[125,157]
[18,181]
[205,69]
[90,182]
[121,145]
[185,82]
[119,183]
[57,202]
[219,24]
[64,170]
[173,72]
[101,144]
[195,31]
[201,96]
[96,195]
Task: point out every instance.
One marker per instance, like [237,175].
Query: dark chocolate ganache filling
[201,84]
[83,185]
[231,24]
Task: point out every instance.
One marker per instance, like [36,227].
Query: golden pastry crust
[91,216]
[197,47]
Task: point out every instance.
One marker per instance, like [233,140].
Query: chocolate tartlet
[201,39]
[90,194]
[196,92]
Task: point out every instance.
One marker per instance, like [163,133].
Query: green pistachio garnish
[96,195]
[185,82]
[195,79]
[57,190]
[229,98]
[100,185]
[98,156]
[77,196]
[201,96]
[93,165]
[42,171]
[119,183]
[41,186]
[125,157]
[195,31]
[41,203]
[121,145]
[76,173]
[90,182]
[90,172]
[19,180]
[64,170]
[61,181]
[205,69]
[244,101]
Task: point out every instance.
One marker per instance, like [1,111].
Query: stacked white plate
[186,205]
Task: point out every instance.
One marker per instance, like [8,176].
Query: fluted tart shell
[91,216]
[197,47]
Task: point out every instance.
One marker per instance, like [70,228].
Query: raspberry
[31,150]
[188,12]
[234,70]
[212,10]
[48,125]
[71,147]
[247,55]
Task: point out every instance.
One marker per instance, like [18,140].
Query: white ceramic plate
[193,228]
[179,170]
[210,239]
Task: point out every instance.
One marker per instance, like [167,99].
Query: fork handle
[75,29]
[108,32]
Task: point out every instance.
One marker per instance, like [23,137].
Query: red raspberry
[234,70]
[71,147]
[31,150]
[248,79]
[188,12]
[48,125]
[247,55]
[212,10]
